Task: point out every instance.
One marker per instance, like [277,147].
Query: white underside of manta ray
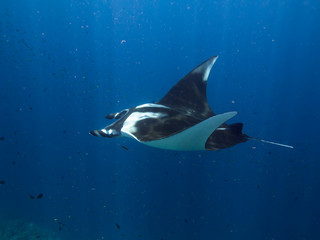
[181,120]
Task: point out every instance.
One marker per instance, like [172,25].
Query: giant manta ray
[181,120]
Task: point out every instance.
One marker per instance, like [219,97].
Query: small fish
[124,147]
[2,138]
[24,43]
[57,221]
[38,197]
[60,223]
[118,226]
[2,182]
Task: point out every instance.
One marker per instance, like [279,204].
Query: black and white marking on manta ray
[181,120]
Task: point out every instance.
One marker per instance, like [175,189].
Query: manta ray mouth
[105,133]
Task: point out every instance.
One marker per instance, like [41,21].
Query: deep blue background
[65,64]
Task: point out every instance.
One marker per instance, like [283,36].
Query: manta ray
[182,120]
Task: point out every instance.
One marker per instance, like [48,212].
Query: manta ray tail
[270,142]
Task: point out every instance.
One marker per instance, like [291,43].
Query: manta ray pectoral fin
[193,138]
[189,94]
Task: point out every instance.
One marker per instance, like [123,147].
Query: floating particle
[117,225]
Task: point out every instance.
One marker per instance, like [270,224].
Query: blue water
[66,64]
